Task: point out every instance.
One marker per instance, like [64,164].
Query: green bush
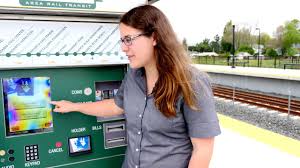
[292,51]
[247,49]
[271,52]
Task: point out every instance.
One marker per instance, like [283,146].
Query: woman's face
[138,48]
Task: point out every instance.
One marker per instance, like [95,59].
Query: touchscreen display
[79,145]
[27,105]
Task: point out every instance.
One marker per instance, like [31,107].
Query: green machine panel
[31,135]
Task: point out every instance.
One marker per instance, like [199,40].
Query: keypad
[31,152]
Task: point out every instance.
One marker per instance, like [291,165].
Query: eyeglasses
[127,40]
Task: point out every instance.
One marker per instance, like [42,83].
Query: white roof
[243,54]
[207,54]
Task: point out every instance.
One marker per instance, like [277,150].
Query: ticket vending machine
[55,50]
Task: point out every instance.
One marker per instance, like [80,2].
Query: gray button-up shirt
[155,141]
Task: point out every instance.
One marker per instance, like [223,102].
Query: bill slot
[115,128]
[114,140]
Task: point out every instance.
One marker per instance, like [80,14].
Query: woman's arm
[104,108]
[202,152]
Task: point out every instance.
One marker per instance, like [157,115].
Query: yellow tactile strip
[278,141]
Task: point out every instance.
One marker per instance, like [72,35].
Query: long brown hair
[172,61]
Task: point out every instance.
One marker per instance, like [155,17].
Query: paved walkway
[242,145]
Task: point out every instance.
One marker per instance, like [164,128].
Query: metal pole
[258,48]
[233,94]
[289,104]
[233,46]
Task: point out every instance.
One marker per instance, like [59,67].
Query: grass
[266,63]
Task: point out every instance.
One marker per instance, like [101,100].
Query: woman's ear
[154,43]
[154,39]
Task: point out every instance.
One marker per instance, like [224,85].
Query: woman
[168,105]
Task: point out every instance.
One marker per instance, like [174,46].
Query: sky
[196,20]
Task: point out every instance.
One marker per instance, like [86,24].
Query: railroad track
[258,99]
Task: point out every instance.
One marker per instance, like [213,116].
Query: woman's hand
[63,106]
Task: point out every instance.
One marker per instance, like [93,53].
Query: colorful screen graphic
[79,145]
[27,105]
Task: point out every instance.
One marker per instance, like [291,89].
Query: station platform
[288,74]
[242,145]
[285,82]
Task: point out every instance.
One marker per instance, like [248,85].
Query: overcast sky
[199,19]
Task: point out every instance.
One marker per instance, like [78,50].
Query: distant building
[203,54]
[255,48]
[242,55]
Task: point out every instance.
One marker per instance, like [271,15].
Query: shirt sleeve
[119,97]
[202,123]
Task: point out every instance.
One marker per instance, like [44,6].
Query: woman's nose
[124,47]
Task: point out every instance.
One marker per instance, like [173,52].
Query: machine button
[2,152]
[11,159]
[11,151]
[58,144]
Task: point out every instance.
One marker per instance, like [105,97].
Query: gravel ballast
[261,117]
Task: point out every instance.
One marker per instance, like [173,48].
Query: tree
[292,51]
[226,42]
[247,49]
[271,52]
[184,43]
[291,34]
[265,39]
[192,48]
[227,33]
[244,37]
[204,46]
[215,45]
[279,39]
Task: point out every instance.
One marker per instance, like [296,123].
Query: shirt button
[137,149]
[139,132]
[140,115]
[136,166]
